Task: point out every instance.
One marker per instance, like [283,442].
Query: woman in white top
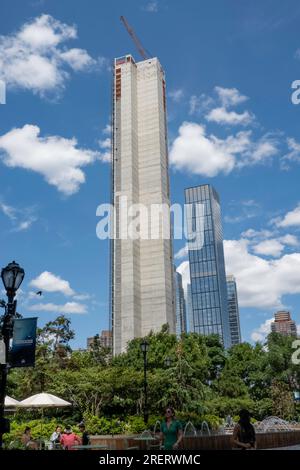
[55,438]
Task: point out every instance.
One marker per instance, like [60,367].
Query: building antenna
[142,51]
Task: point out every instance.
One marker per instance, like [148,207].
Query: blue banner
[22,353]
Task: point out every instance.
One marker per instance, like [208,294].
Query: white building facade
[142,291]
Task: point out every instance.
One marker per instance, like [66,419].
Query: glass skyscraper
[206,260]
[181,320]
[233,309]
[189,309]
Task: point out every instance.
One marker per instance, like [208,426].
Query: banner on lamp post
[22,353]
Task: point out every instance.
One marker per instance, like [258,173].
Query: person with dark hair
[55,438]
[69,439]
[85,438]
[28,441]
[244,433]
[170,431]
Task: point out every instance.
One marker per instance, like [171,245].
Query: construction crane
[143,52]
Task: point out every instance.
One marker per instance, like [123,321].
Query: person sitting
[28,441]
[69,439]
[55,438]
[244,433]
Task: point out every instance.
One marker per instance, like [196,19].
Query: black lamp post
[12,276]
[144,348]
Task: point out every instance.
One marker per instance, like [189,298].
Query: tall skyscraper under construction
[142,297]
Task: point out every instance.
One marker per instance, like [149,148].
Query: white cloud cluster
[219,110]
[105,146]
[230,96]
[196,152]
[68,307]
[56,158]
[49,282]
[291,219]
[200,104]
[232,118]
[261,283]
[35,57]
[272,247]
[260,333]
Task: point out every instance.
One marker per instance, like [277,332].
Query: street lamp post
[12,276]
[144,348]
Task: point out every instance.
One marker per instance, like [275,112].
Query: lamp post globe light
[144,346]
[12,276]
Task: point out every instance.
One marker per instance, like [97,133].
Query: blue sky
[229,69]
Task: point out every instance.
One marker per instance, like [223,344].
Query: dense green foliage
[203,380]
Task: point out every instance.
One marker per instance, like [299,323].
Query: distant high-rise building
[189,309]
[181,323]
[207,266]
[142,291]
[104,340]
[283,324]
[233,309]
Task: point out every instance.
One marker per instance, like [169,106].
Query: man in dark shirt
[85,437]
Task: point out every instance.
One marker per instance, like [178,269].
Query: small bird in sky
[39,292]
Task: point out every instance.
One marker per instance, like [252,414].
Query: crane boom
[135,39]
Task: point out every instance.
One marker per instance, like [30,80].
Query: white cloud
[184,270]
[242,210]
[105,145]
[25,224]
[107,130]
[49,282]
[290,240]
[78,59]
[291,219]
[151,7]
[200,104]
[56,158]
[182,253]
[293,155]
[68,307]
[230,96]
[9,211]
[198,153]
[176,95]
[21,219]
[271,247]
[262,283]
[223,116]
[251,233]
[260,333]
[35,57]
[81,297]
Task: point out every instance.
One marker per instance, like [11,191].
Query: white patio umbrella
[10,402]
[43,400]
